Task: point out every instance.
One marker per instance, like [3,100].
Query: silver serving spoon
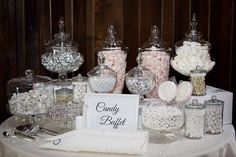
[18,135]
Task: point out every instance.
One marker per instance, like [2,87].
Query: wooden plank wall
[26,24]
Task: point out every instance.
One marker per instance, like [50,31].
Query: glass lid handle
[111,36]
[61,24]
[155,35]
[213,98]
[29,73]
[139,59]
[101,59]
[193,25]
[195,102]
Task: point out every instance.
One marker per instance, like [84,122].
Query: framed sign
[112,111]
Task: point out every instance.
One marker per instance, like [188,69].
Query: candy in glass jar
[192,51]
[198,81]
[194,120]
[156,58]
[102,79]
[214,115]
[115,57]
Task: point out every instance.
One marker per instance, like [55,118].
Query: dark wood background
[26,24]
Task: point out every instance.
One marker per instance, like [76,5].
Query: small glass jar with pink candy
[115,54]
[156,57]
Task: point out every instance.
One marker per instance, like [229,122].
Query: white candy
[31,103]
[194,123]
[163,118]
[191,55]
[214,121]
[102,84]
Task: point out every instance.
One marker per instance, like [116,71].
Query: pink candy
[157,62]
[116,60]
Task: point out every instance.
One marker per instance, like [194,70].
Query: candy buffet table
[222,145]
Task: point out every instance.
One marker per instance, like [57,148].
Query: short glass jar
[214,115]
[194,120]
[29,95]
[197,77]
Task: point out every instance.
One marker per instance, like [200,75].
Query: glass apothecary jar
[102,79]
[115,54]
[194,120]
[61,54]
[214,115]
[192,51]
[140,80]
[156,58]
[29,95]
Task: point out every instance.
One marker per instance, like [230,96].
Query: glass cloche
[102,79]
[156,58]
[29,95]
[192,51]
[61,54]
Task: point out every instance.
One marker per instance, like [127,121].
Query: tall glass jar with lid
[192,51]
[156,57]
[115,54]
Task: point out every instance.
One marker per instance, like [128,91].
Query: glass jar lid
[111,41]
[101,69]
[140,71]
[195,105]
[194,35]
[80,78]
[61,39]
[214,101]
[198,70]
[155,42]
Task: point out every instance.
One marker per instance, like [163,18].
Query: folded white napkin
[124,142]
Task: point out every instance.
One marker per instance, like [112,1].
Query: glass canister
[140,80]
[198,81]
[214,115]
[29,95]
[81,86]
[156,58]
[192,51]
[102,79]
[115,54]
[194,120]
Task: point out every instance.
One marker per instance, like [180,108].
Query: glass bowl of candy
[29,95]
[162,120]
[102,79]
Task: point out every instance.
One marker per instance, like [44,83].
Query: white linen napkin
[123,142]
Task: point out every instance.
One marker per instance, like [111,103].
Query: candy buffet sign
[112,111]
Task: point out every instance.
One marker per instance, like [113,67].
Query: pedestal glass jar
[156,58]
[194,120]
[214,115]
[115,54]
[161,119]
[191,52]
[61,54]
[102,79]
[140,80]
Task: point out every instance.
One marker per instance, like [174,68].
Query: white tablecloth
[222,145]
